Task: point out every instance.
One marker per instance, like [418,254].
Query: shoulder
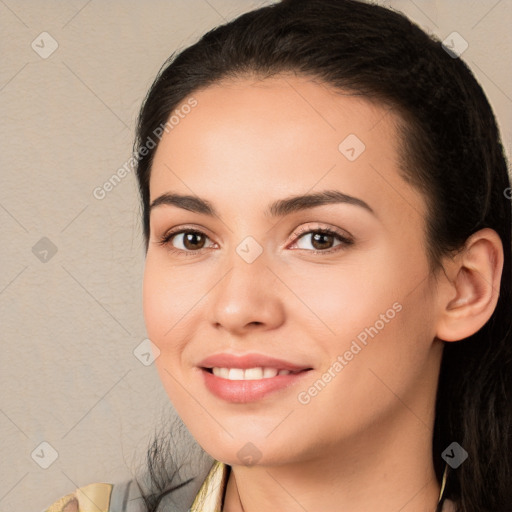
[101,497]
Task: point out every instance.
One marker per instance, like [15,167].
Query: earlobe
[470,291]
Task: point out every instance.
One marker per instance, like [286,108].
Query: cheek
[155,303]
[163,306]
[373,365]
[339,301]
[165,303]
[379,316]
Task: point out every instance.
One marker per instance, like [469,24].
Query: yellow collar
[210,496]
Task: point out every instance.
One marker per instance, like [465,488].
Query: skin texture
[250,142]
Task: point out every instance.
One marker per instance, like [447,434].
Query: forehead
[251,138]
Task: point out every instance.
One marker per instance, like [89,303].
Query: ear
[469,289]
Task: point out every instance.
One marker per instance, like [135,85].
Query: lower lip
[243,391]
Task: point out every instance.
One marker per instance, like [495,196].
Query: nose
[248,297]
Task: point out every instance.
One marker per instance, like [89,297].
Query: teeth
[253,373]
[248,374]
[236,374]
[269,372]
[221,372]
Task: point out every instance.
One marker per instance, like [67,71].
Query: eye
[189,241]
[322,239]
[193,241]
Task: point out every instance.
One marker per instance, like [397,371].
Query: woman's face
[351,314]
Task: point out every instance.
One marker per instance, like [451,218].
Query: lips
[249,377]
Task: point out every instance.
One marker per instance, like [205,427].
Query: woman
[328,270]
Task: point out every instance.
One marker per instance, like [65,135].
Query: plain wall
[71,319]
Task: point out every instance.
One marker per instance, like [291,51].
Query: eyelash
[345,240]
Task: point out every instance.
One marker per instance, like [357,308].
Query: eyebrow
[278,208]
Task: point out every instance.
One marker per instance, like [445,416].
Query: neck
[385,470]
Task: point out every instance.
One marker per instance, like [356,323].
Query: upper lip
[244,361]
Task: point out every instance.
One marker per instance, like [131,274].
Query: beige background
[70,324]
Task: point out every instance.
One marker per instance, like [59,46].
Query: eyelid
[183,228]
[308,228]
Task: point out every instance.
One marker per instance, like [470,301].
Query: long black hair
[451,152]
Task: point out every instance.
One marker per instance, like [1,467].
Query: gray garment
[126,496]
